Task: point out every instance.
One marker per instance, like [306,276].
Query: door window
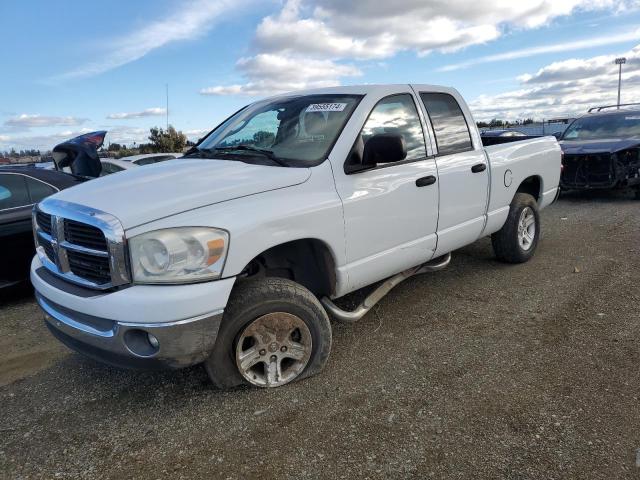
[38,190]
[397,114]
[449,125]
[13,191]
[108,168]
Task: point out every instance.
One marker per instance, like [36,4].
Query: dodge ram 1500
[233,255]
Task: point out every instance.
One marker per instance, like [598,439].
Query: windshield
[297,131]
[619,125]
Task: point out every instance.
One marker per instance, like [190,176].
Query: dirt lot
[481,371]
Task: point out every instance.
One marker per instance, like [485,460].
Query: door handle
[479,167]
[424,181]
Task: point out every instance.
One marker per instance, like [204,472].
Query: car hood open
[597,146]
[144,194]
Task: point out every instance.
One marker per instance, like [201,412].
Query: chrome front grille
[44,221]
[89,266]
[83,245]
[84,235]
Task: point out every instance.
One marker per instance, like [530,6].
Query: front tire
[517,240]
[274,331]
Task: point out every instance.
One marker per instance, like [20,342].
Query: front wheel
[274,331]
[517,240]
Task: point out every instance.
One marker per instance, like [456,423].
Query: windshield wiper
[247,148]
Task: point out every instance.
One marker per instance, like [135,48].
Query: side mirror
[558,135]
[384,148]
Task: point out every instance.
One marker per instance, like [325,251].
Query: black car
[601,150]
[20,189]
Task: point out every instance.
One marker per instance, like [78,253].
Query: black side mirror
[558,135]
[384,148]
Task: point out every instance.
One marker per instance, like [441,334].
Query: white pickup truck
[233,256]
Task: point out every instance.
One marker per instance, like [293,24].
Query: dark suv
[602,150]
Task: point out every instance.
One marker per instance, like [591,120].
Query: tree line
[160,141]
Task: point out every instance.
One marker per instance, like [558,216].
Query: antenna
[167,108]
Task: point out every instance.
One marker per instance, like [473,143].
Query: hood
[583,147]
[144,194]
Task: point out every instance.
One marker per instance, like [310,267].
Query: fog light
[141,343]
[153,341]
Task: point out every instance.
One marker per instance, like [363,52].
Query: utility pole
[620,61]
[167,107]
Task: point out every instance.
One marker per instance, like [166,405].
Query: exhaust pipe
[386,286]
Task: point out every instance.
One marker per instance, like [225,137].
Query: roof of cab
[364,89]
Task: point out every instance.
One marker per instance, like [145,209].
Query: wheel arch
[533,186]
[307,261]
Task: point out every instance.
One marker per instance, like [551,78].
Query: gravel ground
[483,370]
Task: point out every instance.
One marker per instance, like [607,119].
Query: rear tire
[517,240]
[274,331]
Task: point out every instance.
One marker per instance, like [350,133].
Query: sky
[75,66]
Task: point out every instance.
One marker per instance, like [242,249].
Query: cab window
[449,125]
[397,114]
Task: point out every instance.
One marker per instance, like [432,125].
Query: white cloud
[271,74]
[42,142]
[304,31]
[196,133]
[118,134]
[192,19]
[26,121]
[149,112]
[565,88]
[556,47]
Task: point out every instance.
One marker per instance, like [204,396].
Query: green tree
[168,140]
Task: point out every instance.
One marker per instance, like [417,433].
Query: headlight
[178,255]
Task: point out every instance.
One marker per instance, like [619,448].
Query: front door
[390,211]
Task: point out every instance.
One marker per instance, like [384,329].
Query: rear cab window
[449,124]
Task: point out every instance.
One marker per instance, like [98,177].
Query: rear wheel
[274,331]
[517,240]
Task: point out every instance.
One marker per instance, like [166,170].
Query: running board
[377,295]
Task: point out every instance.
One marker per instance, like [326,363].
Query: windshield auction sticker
[326,107]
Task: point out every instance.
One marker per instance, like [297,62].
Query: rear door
[463,171]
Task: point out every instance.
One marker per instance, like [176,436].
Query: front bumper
[598,172]
[114,327]
[177,344]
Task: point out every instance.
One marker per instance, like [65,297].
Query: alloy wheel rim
[526,228]
[274,349]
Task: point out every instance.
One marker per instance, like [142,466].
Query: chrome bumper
[134,345]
